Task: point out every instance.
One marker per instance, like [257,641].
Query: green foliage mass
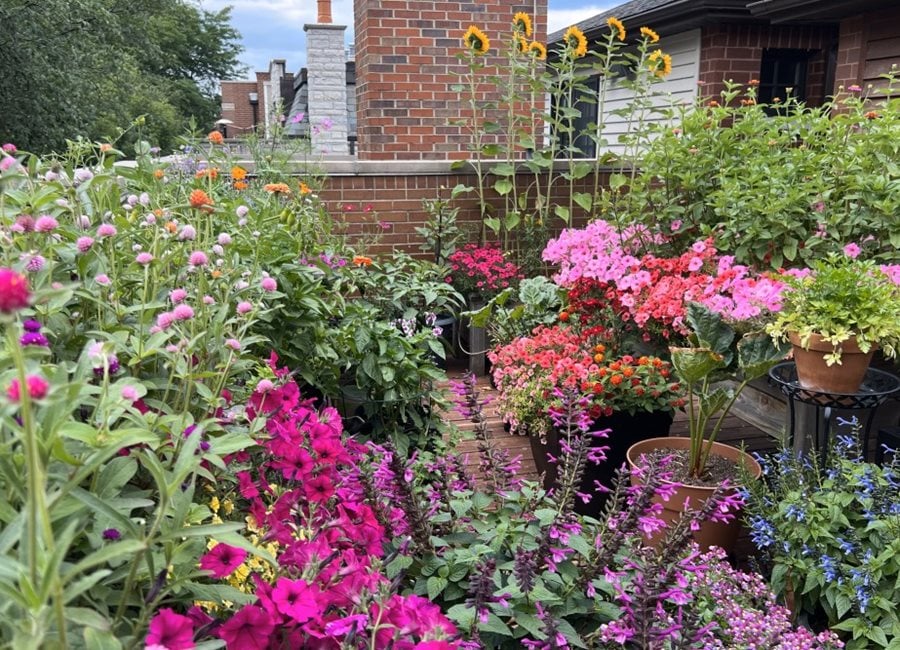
[88,68]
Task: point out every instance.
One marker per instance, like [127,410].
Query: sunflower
[538,50]
[575,41]
[660,63]
[522,23]
[521,44]
[616,25]
[649,34]
[476,40]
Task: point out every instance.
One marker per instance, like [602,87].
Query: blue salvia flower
[846,547]
[762,532]
[830,569]
[795,512]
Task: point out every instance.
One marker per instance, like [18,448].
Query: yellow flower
[660,63]
[521,44]
[538,50]
[616,25]
[476,40]
[575,41]
[304,188]
[522,23]
[227,506]
[214,504]
[649,34]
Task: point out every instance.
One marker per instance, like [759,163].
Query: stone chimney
[327,83]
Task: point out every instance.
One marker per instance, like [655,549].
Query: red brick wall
[869,46]
[406,65]
[390,205]
[734,51]
[237,94]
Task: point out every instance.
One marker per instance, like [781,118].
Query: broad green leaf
[503,186]
[758,353]
[694,364]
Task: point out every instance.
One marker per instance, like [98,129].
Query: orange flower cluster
[200,199]
[212,173]
[362,260]
[304,188]
[215,137]
[277,188]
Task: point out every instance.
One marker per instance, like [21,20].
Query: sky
[273,29]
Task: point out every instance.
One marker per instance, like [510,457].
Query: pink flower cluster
[326,593]
[482,270]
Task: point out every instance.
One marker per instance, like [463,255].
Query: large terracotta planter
[711,533]
[815,374]
[626,430]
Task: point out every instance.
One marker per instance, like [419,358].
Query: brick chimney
[406,67]
[324,12]
[327,82]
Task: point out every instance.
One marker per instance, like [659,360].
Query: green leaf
[758,353]
[100,640]
[87,618]
[503,186]
[503,169]
[709,327]
[562,212]
[493,223]
[695,364]
[106,554]
[584,200]
[495,625]
[435,586]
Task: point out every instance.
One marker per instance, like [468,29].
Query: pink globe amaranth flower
[183,312]
[198,258]
[82,175]
[177,295]
[188,233]
[130,393]
[224,239]
[106,230]
[234,344]
[143,259]
[165,319]
[35,263]
[264,386]
[83,244]
[218,250]
[9,148]
[249,629]
[268,285]
[852,250]
[222,560]
[209,300]
[244,307]
[24,223]
[14,292]
[102,280]
[38,387]
[45,223]
[6,162]
[241,211]
[171,630]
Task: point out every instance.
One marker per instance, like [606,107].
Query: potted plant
[716,354]
[835,315]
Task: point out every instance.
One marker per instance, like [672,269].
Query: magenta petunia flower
[852,251]
[198,258]
[297,599]
[222,560]
[171,630]
[249,629]
[319,489]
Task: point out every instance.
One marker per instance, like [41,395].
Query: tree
[89,67]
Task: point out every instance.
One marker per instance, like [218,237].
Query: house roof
[665,16]
[814,11]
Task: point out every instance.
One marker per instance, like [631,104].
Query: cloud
[560,18]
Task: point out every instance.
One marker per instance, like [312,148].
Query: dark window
[782,70]
[581,124]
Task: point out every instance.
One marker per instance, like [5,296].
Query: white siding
[680,87]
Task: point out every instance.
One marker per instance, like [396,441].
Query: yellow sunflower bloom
[476,40]
[575,41]
[617,26]
[522,23]
[649,34]
[660,64]
[537,50]
[521,44]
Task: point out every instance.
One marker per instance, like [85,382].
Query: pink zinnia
[198,258]
[171,630]
[852,251]
[46,223]
[177,295]
[244,307]
[222,560]
[14,292]
[269,285]
[296,599]
[183,312]
[84,244]
[106,230]
[249,629]
[143,259]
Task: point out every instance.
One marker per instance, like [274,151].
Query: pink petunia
[297,599]
[171,630]
[249,629]
[222,560]
[852,250]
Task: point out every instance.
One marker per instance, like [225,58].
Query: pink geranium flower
[171,630]
[222,560]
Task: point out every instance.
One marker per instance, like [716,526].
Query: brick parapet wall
[236,105]
[406,68]
[734,51]
[386,200]
[850,58]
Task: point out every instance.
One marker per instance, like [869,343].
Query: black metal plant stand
[876,388]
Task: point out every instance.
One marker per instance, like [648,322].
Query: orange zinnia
[215,137]
[158,174]
[238,173]
[304,188]
[240,185]
[362,260]
[172,227]
[199,199]
[212,173]
[277,188]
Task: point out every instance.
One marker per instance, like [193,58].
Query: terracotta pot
[843,378]
[711,533]
[626,430]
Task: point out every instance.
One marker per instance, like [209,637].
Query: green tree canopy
[89,67]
